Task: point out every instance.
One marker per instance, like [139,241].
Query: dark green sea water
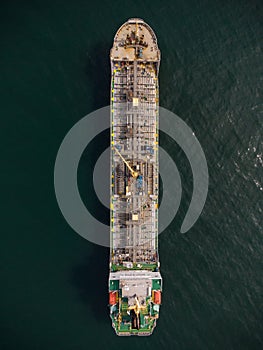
[54,69]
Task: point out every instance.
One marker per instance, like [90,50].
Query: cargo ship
[135,282]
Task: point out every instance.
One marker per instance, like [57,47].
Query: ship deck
[135,136]
[134,261]
[124,42]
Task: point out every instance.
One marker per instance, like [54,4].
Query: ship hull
[135,282]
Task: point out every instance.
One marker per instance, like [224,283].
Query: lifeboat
[157,297]
[112,298]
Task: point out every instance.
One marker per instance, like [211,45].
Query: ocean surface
[54,70]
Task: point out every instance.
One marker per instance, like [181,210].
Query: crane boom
[134,173]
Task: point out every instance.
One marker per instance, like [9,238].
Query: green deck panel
[156,284]
[126,328]
[124,307]
[114,285]
[142,321]
[150,267]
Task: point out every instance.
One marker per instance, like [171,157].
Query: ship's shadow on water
[98,76]
[98,73]
[90,279]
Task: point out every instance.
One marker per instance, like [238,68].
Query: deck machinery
[135,283]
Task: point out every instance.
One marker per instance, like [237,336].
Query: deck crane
[134,173]
[137,308]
